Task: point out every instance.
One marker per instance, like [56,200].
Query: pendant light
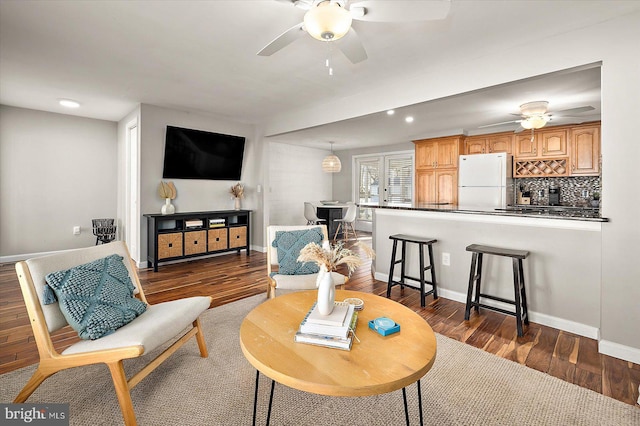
[331,163]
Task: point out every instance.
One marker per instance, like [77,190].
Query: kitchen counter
[587,214]
[562,272]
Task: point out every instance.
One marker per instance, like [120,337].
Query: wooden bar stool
[403,276]
[475,277]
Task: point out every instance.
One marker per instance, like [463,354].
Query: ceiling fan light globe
[535,122]
[328,21]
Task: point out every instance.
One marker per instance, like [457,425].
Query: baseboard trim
[543,319]
[617,350]
[19,257]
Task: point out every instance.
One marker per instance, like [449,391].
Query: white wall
[615,44]
[56,172]
[193,195]
[295,176]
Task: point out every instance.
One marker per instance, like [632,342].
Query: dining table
[330,211]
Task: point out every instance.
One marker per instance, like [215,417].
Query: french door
[382,179]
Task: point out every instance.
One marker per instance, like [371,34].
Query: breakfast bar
[562,272]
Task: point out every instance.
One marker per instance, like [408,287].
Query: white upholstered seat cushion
[157,325]
[303,282]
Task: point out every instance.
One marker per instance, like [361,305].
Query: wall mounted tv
[196,154]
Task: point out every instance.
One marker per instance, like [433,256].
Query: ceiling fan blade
[573,111]
[352,47]
[302,4]
[284,39]
[400,10]
[499,124]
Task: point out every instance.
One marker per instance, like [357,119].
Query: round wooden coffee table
[375,365]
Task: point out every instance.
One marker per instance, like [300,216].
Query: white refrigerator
[485,180]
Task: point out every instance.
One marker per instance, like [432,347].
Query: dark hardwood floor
[228,278]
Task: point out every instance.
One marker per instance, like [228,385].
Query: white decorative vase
[168,208]
[326,291]
[236,203]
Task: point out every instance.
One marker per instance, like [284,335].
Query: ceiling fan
[535,115]
[331,20]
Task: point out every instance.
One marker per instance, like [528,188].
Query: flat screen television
[196,154]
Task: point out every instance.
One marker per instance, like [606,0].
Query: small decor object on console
[237,191]
[328,258]
[167,190]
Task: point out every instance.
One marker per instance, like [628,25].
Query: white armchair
[282,283]
[155,326]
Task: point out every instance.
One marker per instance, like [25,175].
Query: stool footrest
[493,308]
[407,277]
[499,299]
[412,287]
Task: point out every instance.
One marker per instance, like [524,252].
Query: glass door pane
[368,185]
[399,180]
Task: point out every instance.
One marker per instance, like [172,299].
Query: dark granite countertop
[589,214]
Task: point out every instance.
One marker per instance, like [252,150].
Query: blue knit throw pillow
[289,244]
[96,298]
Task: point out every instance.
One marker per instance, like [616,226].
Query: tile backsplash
[572,189]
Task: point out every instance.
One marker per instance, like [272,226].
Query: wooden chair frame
[51,361]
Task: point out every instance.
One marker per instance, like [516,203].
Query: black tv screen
[196,154]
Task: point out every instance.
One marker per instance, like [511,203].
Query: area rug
[466,386]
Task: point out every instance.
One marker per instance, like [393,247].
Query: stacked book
[193,223]
[216,223]
[335,330]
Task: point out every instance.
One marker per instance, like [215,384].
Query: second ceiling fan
[331,20]
[535,115]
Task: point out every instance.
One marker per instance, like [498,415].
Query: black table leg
[255,399]
[406,409]
[420,403]
[273,384]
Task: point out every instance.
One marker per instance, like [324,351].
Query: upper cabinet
[585,150]
[438,153]
[436,176]
[543,143]
[486,144]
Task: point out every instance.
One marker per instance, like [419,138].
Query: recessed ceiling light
[408,119]
[391,112]
[69,103]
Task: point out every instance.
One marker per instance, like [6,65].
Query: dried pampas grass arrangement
[330,257]
[237,190]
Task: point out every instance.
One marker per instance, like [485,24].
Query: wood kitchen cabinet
[585,150]
[545,143]
[437,169]
[437,186]
[438,153]
[486,144]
